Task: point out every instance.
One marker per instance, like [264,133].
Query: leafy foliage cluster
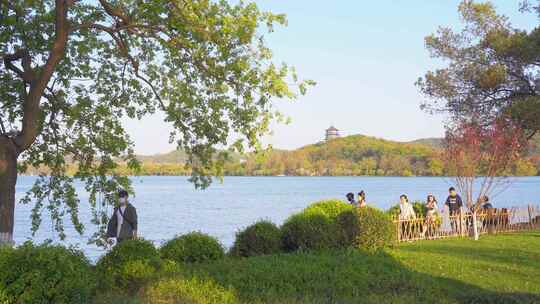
[260,238]
[128,266]
[45,274]
[491,70]
[193,247]
[367,228]
[313,231]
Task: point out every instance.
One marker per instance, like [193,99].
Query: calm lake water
[168,206]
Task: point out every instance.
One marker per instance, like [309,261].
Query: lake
[168,206]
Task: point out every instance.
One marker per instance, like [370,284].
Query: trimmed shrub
[192,291]
[328,208]
[309,231]
[45,274]
[261,238]
[128,266]
[367,228]
[193,247]
[349,228]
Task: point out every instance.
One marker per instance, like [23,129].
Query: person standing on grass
[362,199]
[431,215]
[454,201]
[123,223]
[454,204]
[406,214]
[350,199]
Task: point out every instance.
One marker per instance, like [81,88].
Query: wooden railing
[490,221]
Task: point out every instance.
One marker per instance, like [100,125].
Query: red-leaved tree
[480,157]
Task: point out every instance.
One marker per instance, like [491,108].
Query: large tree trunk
[8,179]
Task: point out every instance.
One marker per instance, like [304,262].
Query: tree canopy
[74,71]
[492,68]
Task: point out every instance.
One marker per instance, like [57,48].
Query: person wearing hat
[123,223]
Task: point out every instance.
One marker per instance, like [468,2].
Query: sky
[365,57]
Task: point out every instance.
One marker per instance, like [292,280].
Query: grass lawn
[495,269]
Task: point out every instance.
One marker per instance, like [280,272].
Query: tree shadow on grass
[347,276]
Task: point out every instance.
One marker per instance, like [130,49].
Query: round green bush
[328,208]
[348,228]
[367,228]
[192,291]
[193,247]
[45,274]
[307,231]
[261,238]
[128,266]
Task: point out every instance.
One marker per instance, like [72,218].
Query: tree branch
[115,12]
[2,127]
[122,46]
[31,107]
[26,74]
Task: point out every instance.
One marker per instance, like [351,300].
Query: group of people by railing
[430,221]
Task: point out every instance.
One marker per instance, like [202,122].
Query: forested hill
[351,155]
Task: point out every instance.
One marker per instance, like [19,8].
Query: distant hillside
[354,155]
[432,142]
[351,155]
[534,149]
[173,157]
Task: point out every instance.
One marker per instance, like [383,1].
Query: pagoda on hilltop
[332,133]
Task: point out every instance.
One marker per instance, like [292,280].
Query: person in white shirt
[406,213]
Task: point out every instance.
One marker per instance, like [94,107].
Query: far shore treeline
[355,155]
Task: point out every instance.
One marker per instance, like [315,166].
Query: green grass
[495,269]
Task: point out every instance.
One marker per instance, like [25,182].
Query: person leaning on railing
[406,215]
[431,215]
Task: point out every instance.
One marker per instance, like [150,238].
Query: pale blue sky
[365,57]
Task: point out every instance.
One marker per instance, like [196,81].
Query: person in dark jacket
[123,223]
[454,203]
